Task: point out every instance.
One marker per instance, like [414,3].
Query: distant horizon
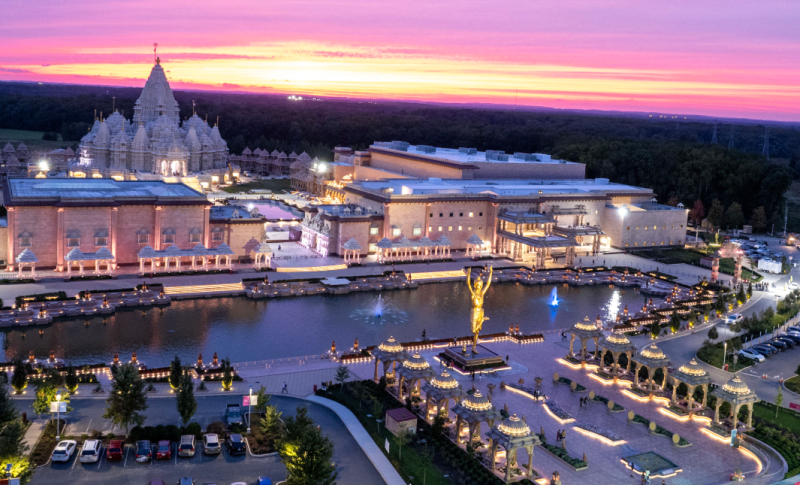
[730,59]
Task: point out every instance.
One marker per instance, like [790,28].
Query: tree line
[675,159]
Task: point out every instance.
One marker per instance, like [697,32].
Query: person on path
[285,390]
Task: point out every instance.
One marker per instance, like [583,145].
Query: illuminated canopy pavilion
[512,434]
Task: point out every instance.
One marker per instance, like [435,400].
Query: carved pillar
[529,472]
[12,237]
[114,214]
[705,394]
[750,415]
[157,235]
[674,391]
[716,411]
[571,342]
[690,400]
[60,240]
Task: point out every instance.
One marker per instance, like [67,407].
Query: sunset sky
[736,58]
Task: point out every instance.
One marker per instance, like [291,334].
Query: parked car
[211,444]
[233,415]
[64,450]
[186,446]
[778,344]
[92,451]
[765,350]
[114,451]
[236,444]
[264,481]
[789,342]
[164,450]
[144,451]
[793,329]
[186,481]
[752,355]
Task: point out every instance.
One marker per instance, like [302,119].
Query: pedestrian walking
[285,389]
[279,247]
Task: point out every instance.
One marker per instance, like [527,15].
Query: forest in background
[673,157]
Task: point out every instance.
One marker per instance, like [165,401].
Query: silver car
[64,450]
[92,451]
[211,444]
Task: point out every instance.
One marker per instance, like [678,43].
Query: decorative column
[114,214]
[750,415]
[206,223]
[716,411]
[157,241]
[12,237]
[690,399]
[674,392]
[60,240]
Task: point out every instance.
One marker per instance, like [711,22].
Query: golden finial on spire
[101,116]
[217,121]
[192,107]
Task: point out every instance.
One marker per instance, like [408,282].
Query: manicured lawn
[275,185]
[787,418]
[793,384]
[713,355]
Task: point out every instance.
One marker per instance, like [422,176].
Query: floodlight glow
[44,166]
[623,211]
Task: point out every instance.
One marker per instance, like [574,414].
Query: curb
[364,440]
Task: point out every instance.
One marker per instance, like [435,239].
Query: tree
[127,399]
[673,201]
[778,400]
[342,374]
[377,411]
[716,214]
[12,439]
[45,394]
[227,374]
[749,290]
[758,219]
[8,410]
[713,334]
[187,403]
[308,459]
[296,425]
[734,217]
[426,461]
[741,297]
[175,373]
[262,399]
[655,329]
[675,322]
[402,437]
[271,422]
[698,212]
[19,381]
[71,380]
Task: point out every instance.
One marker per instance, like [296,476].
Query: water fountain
[378,309]
[554,297]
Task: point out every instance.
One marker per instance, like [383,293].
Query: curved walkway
[363,439]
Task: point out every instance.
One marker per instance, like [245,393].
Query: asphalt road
[352,464]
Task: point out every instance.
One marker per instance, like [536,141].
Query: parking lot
[352,464]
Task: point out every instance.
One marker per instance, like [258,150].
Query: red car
[115,449]
[164,450]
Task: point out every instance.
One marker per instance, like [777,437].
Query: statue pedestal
[484,360]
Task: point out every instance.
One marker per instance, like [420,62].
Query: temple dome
[514,426]
[653,352]
[736,386]
[692,369]
[477,402]
[416,362]
[444,381]
[391,345]
[618,338]
[585,325]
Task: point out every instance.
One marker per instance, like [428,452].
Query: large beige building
[61,220]
[529,207]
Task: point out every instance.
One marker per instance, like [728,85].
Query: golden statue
[477,290]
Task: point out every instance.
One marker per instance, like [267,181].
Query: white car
[92,451]
[64,450]
[793,286]
[752,355]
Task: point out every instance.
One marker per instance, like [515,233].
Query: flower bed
[562,455]
[604,375]
[682,442]
[719,430]
[616,409]
[557,411]
[639,392]
[567,381]
[573,360]
[607,434]
[678,410]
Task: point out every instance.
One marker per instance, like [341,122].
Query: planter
[545,448]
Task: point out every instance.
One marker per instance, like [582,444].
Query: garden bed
[660,430]
[562,455]
[567,381]
[616,409]
[607,435]
[47,443]
[559,413]
[638,392]
[604,375]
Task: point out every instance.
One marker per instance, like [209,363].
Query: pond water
[249,330]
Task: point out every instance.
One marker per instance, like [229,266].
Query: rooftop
[465,155]
[67,188]
[502,187]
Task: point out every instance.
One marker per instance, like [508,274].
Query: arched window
[417,229]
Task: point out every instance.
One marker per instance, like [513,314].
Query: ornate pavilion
[438,392]
[474,410]
[693,376]
[512,435]
[617,344]
[388,353]
[411,372]
[737,394]
[652,359]
[585,331]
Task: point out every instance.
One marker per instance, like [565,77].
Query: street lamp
[58,415]
[724,352]
[249,409]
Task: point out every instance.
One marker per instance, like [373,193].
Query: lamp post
[249,408]
[58,415]
[724,352]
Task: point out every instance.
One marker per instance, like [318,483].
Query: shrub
[173,433]
[194,429]
[217,427]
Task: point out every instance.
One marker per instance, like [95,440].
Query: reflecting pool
[248,330]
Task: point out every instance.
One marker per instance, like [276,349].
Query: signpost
[249,401]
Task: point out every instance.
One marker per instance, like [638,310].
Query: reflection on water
[244,329]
